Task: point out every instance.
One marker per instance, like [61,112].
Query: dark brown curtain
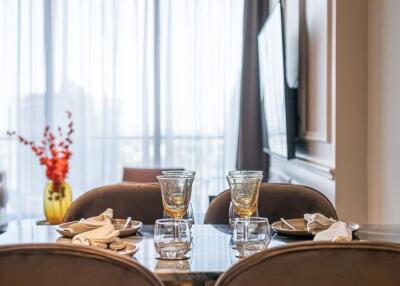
[250,155]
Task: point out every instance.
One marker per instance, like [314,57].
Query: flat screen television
[278,101]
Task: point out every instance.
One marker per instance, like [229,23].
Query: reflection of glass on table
[174,265]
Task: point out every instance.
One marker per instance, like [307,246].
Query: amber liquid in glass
[174,205]
[245,204]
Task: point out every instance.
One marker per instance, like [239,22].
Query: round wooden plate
[133,227]
[300,225]
[129,250]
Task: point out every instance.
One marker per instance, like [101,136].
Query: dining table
[210,256]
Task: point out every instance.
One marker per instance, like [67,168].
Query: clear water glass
[258,236]
[176,191]
[172,238]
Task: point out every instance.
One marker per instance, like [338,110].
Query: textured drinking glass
[244,193]
[233,215]
[189,216]
[172,238]
[175,191]
[258,237]
[186,173]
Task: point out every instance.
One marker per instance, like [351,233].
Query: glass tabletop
[210,256]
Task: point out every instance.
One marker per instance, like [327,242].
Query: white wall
[350,108]
[350,82]
[331,153]
[315,153]
[384,111]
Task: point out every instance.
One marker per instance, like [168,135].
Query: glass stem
[246,228]
[176,231]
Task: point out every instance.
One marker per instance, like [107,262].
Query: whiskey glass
[172,238]
[258,236]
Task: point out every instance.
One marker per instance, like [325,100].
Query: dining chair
[138,175]
[140,201]
[319,263]
[69,265]
[275,201]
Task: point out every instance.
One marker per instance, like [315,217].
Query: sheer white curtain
[150,84]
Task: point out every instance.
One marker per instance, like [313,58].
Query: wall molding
[325,29]
[312,136]
[306,162]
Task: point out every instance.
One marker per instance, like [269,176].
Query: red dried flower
[53,152]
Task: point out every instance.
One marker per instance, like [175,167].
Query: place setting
[126,227]
[172,233]
[317,227]
[252,234]
[102,232]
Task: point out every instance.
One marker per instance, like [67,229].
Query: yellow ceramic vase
[57,199]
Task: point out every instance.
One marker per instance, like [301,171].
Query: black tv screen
[277,99]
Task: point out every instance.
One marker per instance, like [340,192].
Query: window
[150,83]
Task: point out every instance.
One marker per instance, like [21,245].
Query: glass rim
[166,172]
[171,220]
[252,219]
[247,177]
[245,172]
[173,176]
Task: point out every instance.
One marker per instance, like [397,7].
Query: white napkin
[339,231]
[83,225]
[317,222]
[98,237]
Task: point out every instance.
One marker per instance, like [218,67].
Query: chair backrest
[140,201]
[69,265]
[137,175]
[275,201]
[324,263]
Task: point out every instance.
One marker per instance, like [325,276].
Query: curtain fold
[97,59]
[250,155]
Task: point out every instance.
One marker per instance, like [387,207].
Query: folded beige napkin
[317,222]
[91,223]
[339,231]
[98,237]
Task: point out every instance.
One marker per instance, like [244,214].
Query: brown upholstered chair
[140,201]
[324,263]
[275,201]
[138,175]
[69,265]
